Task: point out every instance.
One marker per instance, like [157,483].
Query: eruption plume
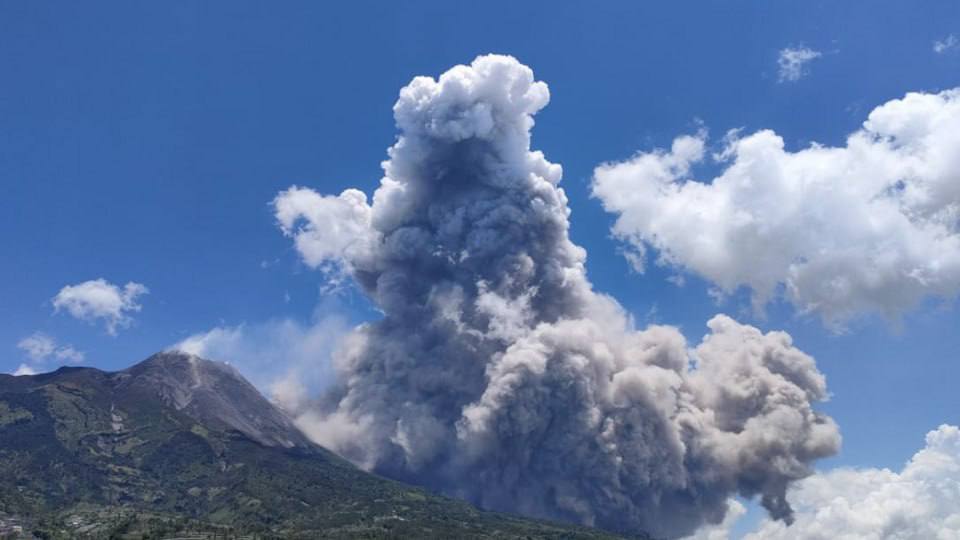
[498,374]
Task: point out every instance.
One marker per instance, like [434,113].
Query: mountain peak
[186,370]
[178,436]
[215,394]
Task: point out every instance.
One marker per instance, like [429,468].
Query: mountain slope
[180,437]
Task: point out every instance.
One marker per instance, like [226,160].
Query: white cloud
[870,226]
[327,230]
[37,346]
[793,61]
[946,44]
[287,360]
[41,349]
[920,502]
[100,300]
[24,369]
[68,354]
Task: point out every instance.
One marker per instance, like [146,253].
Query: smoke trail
[497,374]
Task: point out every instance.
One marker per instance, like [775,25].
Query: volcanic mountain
[177,442]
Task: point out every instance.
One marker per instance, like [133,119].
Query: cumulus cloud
[24,369]
[101,301]
[867,227]
[289,361]
[922,501]
[41,347]
[792,63]
[327,231]
[499,375]
[946,44]
[42,350]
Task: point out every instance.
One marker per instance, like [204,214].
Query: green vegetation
[87,454]
[11,416]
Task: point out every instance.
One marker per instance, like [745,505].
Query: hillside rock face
[214,394]
[176,437]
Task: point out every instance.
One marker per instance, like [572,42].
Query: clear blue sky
[143,142]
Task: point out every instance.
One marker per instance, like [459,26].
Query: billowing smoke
[498,374]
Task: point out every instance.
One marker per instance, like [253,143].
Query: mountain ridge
[177,438]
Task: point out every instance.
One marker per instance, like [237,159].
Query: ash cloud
[498,374]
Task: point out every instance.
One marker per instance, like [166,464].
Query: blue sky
[145,142]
